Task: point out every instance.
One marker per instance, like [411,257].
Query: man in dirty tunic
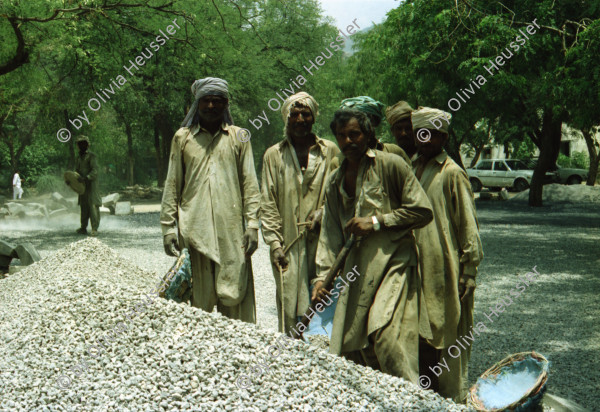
[210,203]
[376,196]
[449,253]
[293,189]
[86,166]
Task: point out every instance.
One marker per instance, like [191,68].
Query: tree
[433,52]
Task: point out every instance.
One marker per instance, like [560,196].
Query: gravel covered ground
[77,334]
[557,315]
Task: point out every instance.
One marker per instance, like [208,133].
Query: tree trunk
[159,157]
[506,150]
[453,149]
[480,148]
[130,159]
[71,164]
[549,147]
[592,146]
[166,131]
[478,151]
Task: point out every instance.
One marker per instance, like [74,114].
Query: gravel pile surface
[558,315]
[71,339]
[566,193]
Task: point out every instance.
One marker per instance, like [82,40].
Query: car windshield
[517,165]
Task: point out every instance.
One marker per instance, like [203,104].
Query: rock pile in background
[168,357]
[24,252]
[56,205]
[141,192]
[566,193]
[45,207]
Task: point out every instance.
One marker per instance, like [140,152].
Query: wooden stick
[282,297]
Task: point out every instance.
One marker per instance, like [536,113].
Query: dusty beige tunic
[211,192]
[386,259]
[448,247]
[288,197]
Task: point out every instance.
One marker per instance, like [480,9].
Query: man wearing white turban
[210,203]
[293,187]
[449,253]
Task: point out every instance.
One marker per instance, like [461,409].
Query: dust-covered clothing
[210,197]
[87,167]
[382,305]
[448,247]
[288,198]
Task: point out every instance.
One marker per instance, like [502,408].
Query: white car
[510,173]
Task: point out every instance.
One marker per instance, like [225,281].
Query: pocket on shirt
[372,201]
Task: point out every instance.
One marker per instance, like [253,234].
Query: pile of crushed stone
[566,193]
[78,332]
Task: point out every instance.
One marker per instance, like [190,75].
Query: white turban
[209,86]
[299,99]
[429,118]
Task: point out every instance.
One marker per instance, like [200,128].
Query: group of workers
[409,206]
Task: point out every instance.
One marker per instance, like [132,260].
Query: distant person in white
[17,191]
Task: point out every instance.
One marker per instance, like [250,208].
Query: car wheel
[476,185]
[521,185]
[574,180]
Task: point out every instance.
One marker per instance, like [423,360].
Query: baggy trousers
[89,212]
[394,349]
[204,293]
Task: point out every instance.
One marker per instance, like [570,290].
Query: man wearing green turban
[374,111]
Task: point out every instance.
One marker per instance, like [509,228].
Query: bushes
[51,184]
[109,183]
[578,160]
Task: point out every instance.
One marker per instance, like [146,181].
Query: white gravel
[168,356]
[557,316]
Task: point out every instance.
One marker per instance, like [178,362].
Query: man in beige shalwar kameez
[449,253]
[293,188]
[210,203]
[376,196]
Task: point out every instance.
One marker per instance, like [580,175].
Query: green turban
[365,104]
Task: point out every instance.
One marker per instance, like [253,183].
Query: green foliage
[524,150]
[51,184]
[109,183]
[578,160]
[257,46]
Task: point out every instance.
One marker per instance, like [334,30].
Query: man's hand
[170,244]
[466,286]
[279,259]
[360,226]
[250,243]
[319,292]
[315,218]
[80,179]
